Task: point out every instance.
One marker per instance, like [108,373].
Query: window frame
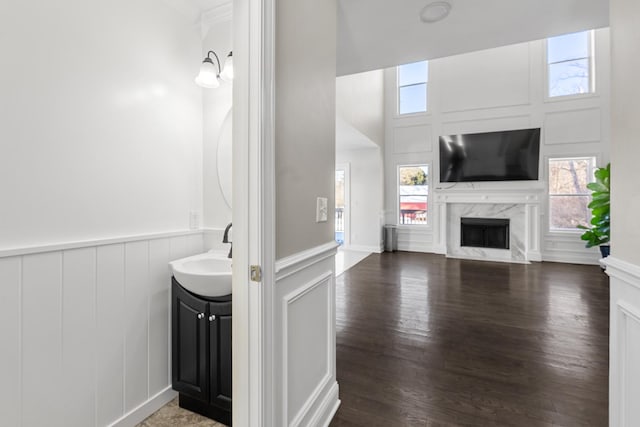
[593,166]
[397,89]
[427,223]
[592,71]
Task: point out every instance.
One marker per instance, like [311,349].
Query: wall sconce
[209,75]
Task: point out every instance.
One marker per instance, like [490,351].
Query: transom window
[568,193]
[570,64]
[413,191]
[412,87]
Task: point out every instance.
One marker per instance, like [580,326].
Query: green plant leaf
[598,186]
[600,229]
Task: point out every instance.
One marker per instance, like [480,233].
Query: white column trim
[292,264]
[623,270]
[254,211]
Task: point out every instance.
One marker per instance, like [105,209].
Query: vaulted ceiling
[374,34]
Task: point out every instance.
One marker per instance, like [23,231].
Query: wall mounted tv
[511,155]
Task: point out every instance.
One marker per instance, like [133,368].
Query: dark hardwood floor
[423,340]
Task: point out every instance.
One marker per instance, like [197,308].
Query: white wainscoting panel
[486,79]
[624,347]
[86,331]
[110,330]
[304,338]
[10,333]
[629,362]
[42,397]
[308,353]
[78,335]
[136,290]
[415,238]
[568,247]
[412,139]
[159,314]
[573,126]
[490,124]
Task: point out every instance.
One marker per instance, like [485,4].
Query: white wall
[497,89]
[101,122]
[360,143]
[304,122]
[367,200]
[625,150]
[624,262]
[216,105]
[360,102]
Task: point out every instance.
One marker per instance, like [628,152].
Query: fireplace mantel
[529,220]
[528,196]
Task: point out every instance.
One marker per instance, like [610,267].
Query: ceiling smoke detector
[435,11]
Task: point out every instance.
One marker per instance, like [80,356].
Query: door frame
[253,211]
[346,167]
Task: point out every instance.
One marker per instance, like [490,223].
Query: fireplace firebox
[484,233]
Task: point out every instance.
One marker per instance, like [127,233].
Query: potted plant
[598,233]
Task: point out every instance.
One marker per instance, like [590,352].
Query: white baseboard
[407,246]
[365,248]
[473,258]
[138,414]
[535,256]
[327,409]
[570,257]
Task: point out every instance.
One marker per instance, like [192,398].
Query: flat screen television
[511,155]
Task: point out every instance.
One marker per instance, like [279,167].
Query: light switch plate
[321,209]
[194,220]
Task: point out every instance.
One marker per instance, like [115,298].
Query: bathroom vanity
[201,352]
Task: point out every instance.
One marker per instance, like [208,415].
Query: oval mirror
[225,158]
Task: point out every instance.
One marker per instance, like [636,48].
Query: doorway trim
[254,211]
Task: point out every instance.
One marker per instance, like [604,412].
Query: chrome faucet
[225,239]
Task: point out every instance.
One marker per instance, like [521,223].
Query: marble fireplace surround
[522,208]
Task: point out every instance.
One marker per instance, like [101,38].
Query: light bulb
[227,71]
[207,77]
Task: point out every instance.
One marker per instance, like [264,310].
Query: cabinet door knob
[200,316]
[212,318]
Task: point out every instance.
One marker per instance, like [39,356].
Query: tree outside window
[568,194]
[569,64]
[413,190]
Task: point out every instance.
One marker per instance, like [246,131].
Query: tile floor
[171,415]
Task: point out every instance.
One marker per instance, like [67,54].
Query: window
[568,193]
[413,189]
[412,87]
[569,64]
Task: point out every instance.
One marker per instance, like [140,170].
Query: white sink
[207,275]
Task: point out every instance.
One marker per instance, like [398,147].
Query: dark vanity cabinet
[201,352]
